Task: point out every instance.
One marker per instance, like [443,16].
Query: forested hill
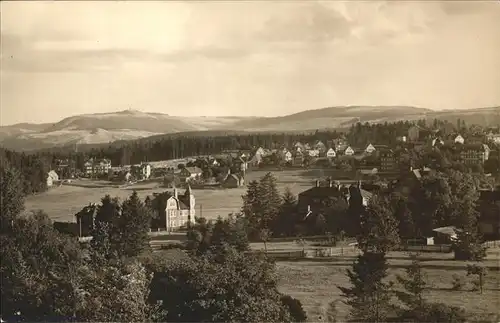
[94,130]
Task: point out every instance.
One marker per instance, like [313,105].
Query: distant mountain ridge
[102,128]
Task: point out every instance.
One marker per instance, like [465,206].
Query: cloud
[310,22]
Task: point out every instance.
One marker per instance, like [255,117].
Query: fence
[492,244]
[282,254]
[427,248]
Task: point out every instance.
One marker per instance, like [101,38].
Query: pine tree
[251,206]
[414,284]
[270,200]
[134,223]
[369,296]
[11,198]
[379,227]
[287,219]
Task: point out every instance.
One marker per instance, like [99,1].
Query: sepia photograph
[250,161]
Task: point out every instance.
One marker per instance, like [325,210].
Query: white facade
[349,151]
[331,153]
[369,149]
[180,211]
[459,139]
[313,152]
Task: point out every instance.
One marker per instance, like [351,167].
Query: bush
[458,282]
[332,312]
[295,308]
[439,312]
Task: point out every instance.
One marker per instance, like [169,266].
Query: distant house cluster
[97,167]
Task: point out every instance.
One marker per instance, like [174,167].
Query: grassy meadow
[62,202]
[314,282]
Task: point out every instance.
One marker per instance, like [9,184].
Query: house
[489,220]
[88,167]
[260,151]
[298,159]
[413,133]
[349,151]
[241,164]
[179,210]
[446,234]
[331,153]
[369,149]
[437,142]
[320,146]
[474,153]
[387,160]
[401,138]
[340,145]
[313,152]
[145,170]
[493,137]
[312,200]
[102,166]
[298,146]
[97,168]
[233,181]
[85,219]
[188,173]
[459,139]
[126,176]
[51,178]
[256,160]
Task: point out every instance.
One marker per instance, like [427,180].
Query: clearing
[314,282]
[63,202]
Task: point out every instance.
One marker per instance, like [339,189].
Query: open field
[61,203]
[314,282]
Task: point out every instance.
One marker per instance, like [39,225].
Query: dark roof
[482,147]
[365,194]
[321,191]
[487,195]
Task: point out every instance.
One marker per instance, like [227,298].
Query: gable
[172,204]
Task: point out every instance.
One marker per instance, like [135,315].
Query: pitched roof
[482,147]
[322,191]
[365,194]
[449,230]
[194,170]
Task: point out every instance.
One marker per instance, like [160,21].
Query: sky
[244,58]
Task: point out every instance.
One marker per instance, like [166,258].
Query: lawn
[61,203]
[314,283]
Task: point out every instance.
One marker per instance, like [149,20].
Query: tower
[189,197]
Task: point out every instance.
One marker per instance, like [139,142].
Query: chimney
[317,183]
[308,208]
[330,184]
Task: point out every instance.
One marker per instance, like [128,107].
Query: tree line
[49,276]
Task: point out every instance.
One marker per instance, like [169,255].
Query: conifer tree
[134,223]
[251,206]
[11,198]
[369,296]
[287,219]
[414,284]
[379,227]
[270,200]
